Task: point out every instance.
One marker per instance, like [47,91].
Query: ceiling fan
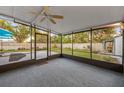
[46,15]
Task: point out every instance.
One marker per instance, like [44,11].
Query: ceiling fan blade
[52,20]
[35,13]
[42,19]
[57,16]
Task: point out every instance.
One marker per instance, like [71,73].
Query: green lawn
[13,50]
[58,50]
[21,50]
[86,54]
[76,52]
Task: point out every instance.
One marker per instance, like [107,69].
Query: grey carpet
[61,72]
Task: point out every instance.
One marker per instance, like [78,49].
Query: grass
[58,50]
[106,58]
[13,50]
[86,54]
[76,52]
[21,50]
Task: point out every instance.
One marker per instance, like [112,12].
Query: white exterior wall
[118,45]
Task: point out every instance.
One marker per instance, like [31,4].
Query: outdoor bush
[95,51]
[21,49]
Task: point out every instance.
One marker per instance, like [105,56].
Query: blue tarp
[5,34]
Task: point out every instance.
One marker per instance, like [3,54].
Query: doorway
[41,46]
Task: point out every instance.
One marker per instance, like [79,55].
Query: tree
[103,34]
[2,23]
[20,33]
[5,25]
[41,39]
[58,39]
[82,37]
[67,38]
[55,38]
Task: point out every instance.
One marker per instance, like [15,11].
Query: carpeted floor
[61,72]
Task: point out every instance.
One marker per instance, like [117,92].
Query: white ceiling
[75,17]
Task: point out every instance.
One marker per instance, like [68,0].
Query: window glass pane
[14,42]
[41,44]
[67,44]
[107,44]
[33,41]
[81,44]
[55,44]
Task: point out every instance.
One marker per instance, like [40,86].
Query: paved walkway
[21,56]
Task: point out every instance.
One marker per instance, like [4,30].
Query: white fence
[13,45]
[16,46]
[95,46]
